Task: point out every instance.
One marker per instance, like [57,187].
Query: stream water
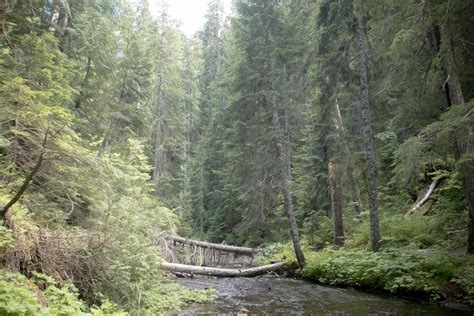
[270,295]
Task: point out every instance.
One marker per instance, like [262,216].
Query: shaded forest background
[333,116]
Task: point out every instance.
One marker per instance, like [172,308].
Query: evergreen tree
[168,114]
[367,128]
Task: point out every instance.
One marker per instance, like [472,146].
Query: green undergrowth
[41,295]
[421,256]
[430,274]
[101,249]
[122,281]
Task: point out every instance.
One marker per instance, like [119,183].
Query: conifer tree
[367,128]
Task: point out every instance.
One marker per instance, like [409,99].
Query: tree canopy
[321,124]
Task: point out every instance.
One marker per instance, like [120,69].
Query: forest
[332,136]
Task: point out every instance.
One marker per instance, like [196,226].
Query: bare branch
[4,209]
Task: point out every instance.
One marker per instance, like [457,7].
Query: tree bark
[77,104]
[369,146]
[4,209]
[454,91]
[220,247]
[284,158]
[466,171]
[160,159]
[285,171]
[454,96]
[337,203]
[201,195]
[229,273]
[53,18]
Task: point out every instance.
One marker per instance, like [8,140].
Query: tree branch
[4,209]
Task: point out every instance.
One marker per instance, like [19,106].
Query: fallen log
[425,198]
[228,273]
[220,247]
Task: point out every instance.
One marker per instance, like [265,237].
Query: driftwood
[425,198]
[182,269]
[219,247]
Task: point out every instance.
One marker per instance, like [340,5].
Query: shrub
[409,271]
[466,279]
[41,295]
[17,296]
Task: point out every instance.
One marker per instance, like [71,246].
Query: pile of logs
[184,269]
[220,247]
[233,252]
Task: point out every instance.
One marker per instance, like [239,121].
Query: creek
[270,295]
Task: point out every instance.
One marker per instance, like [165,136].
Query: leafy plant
[409,271]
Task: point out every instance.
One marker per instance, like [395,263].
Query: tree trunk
[160,158]
[229,273]
[466,171]
[356,202]
[290,214]
[53,18]
[369,146]
[454,91]
[4,209]
[285,171]
[454,95]
[77,104]
[336,202]
[201,196]
[219,247]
